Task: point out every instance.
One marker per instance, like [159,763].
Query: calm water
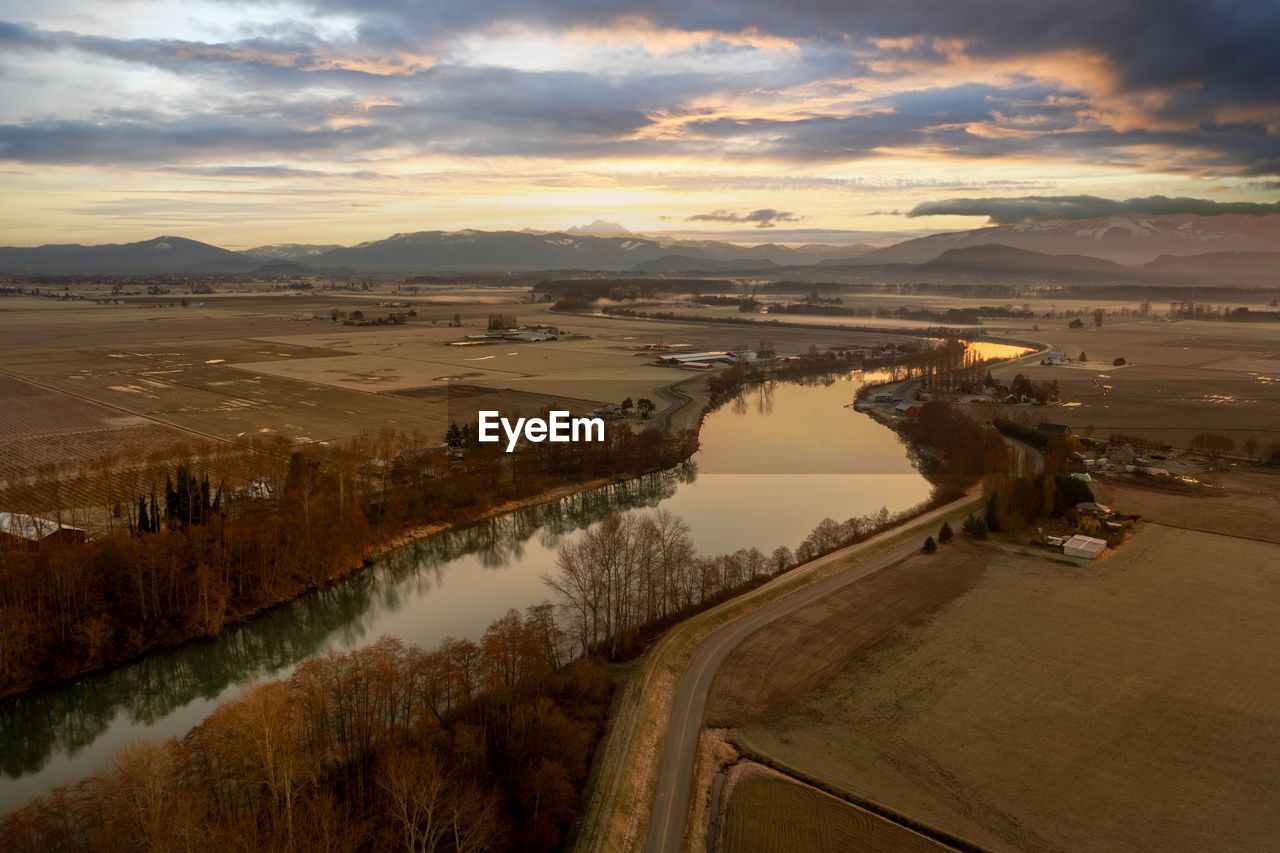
[772,465]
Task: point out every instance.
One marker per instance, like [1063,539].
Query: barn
[29,531]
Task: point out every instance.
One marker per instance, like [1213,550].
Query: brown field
[1180,379]
[764,673]
[81,380]
[1242,501]
[1124,704]
[768,812]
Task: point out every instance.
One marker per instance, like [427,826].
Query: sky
[249,122]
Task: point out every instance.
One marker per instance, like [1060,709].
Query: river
[772,464]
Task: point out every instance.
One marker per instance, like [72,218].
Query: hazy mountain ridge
[996,256]
[159,254]
[1166,246]
[1131,239]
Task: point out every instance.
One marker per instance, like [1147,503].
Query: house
[883,397]
[1126,454]
[1054,429]
[1056,357]
[905,408]
[1083,546]
[28,531]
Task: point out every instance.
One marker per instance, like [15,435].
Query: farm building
[680,359]
[1083,546]
[905,408]
[1094,510]
[1053,429]
[27,531]
[1126,454]
[883,397]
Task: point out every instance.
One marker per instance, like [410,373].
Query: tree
[453,436]
[1021,386]
[975,527]
[945,534]
[627,404]
[929,546]
[1077,323]
[1119,360]
[992,516]
[1212,443]
[644,407]
[1083,357]
[1097,316]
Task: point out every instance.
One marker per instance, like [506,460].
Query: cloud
[1267,166]
[763,218]
[1007,211]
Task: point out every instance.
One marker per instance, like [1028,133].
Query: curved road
[675,772]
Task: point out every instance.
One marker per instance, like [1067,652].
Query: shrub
[975,527]
[944,533]
[929,546]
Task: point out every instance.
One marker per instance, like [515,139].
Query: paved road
[675,773]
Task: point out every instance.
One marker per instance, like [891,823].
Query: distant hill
[527,250]
[300,253]
[992,256]
[1220,267]
[282,268]
[1130,238]
[161,254]
[686,263]
[598,227]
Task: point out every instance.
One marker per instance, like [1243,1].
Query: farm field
[1179,379]
[765,674]
[151,375]
[1123,704]
[768,813]
[1242,501]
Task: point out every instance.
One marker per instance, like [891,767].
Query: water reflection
[65,720]
[773,463]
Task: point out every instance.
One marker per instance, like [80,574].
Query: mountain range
[1123,245]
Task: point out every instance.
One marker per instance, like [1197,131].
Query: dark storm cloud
[1007,211]
[1185,64]
[1227,43]
[763,218]
[1266,166]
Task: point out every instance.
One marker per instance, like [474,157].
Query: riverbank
[619,797]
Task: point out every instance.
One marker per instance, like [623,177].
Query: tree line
[464,747]
[185,559]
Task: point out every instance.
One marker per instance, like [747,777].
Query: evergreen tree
[930,546]
[975,527]
[944,533]
[993,513]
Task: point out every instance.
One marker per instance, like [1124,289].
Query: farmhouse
[27,531]
[1083,546]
